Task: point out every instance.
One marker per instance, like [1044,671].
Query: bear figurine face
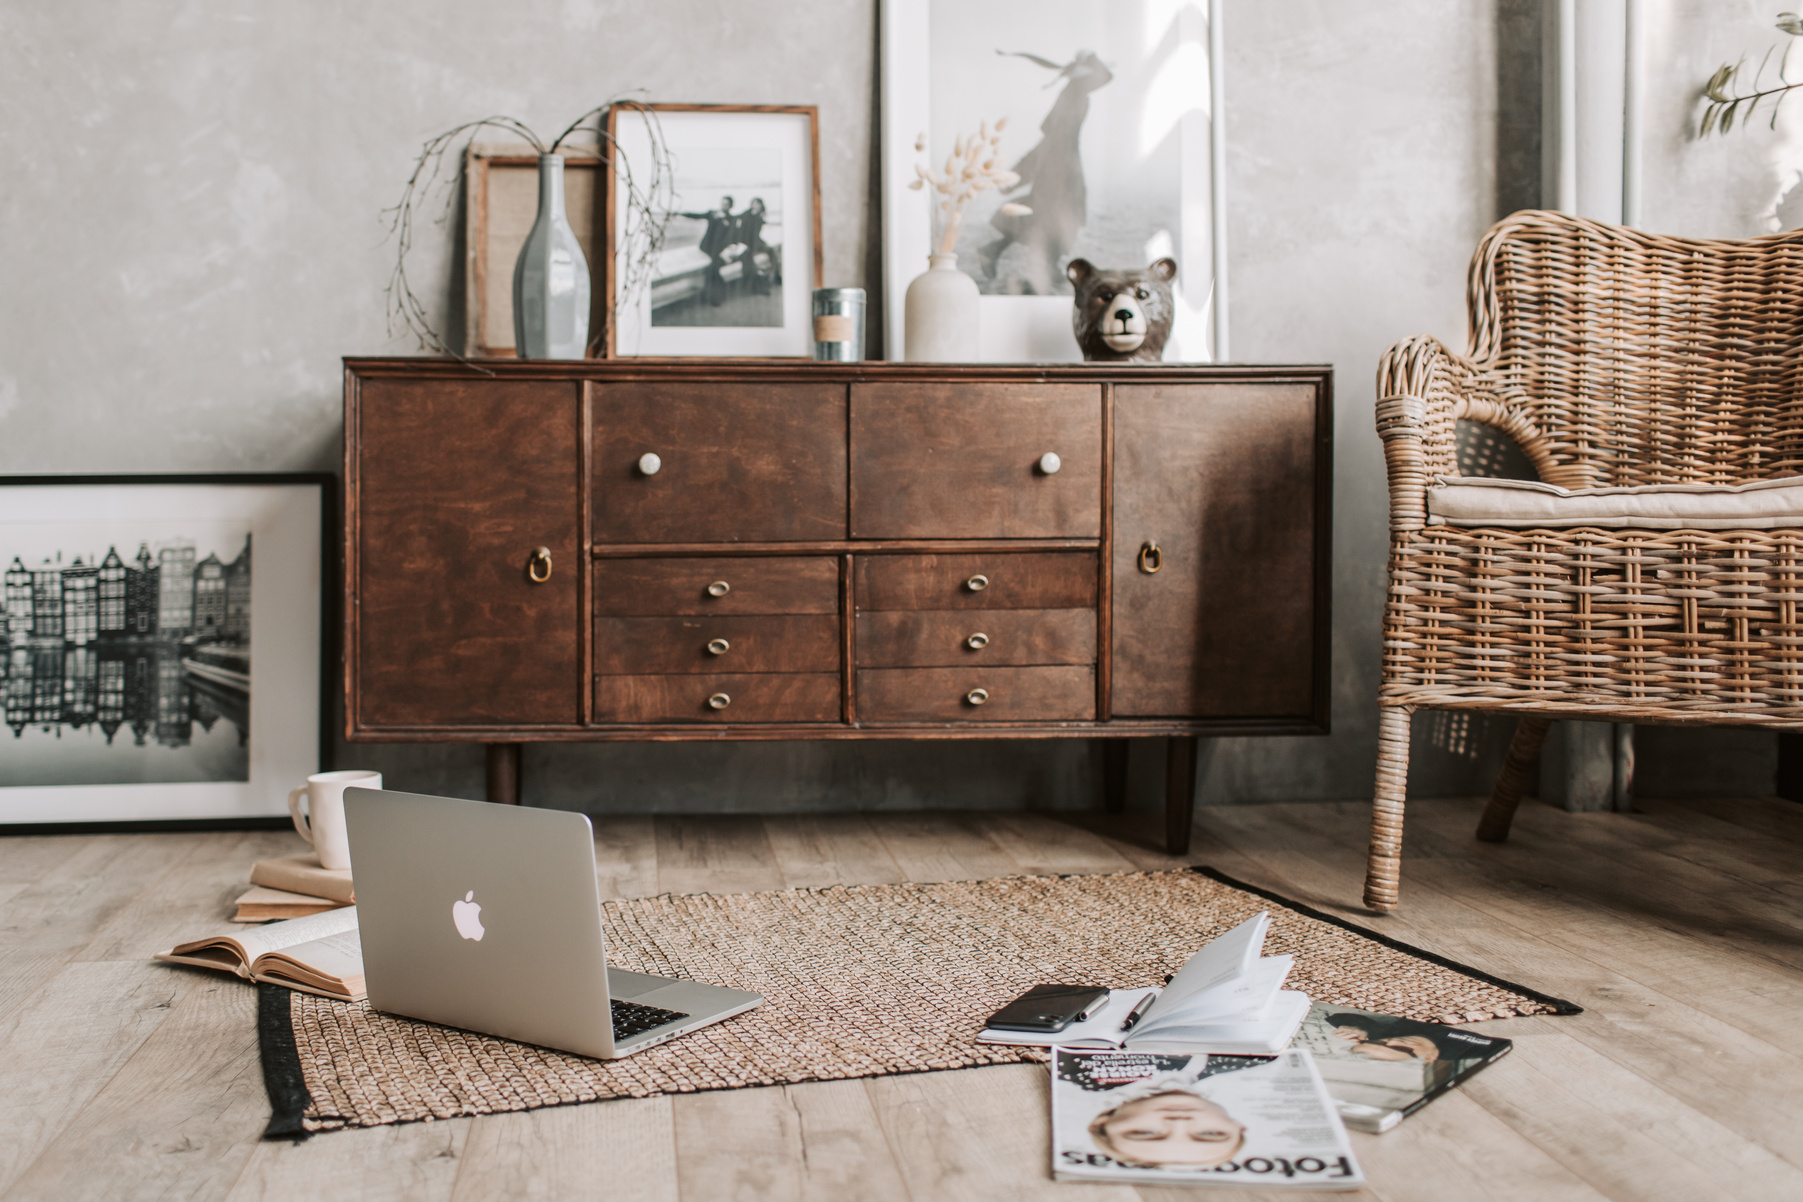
[1122,316]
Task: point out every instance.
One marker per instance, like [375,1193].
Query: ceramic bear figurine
[1122,316]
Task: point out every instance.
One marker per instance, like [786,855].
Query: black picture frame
[292,630]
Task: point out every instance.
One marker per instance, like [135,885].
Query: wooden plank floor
[1680,929]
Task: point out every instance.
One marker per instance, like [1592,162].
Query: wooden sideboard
[711,549]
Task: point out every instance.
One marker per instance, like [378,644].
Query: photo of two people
[722,259]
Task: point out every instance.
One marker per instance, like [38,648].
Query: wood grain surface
[953,459]
[937,638]
[1676,928]
[1059,694]
[774,643]
[1038,580]
[751,697]
[775,585]
[1223,481]
[743,462]
[453,486]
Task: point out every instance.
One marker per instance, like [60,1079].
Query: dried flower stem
[974,165]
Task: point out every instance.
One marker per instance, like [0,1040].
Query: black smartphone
[1049,1008]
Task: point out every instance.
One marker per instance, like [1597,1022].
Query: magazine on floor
[1381,1069]
[1241,1121]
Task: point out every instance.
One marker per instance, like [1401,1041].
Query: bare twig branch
[405,309]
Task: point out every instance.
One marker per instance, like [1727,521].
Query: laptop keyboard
[631,1018]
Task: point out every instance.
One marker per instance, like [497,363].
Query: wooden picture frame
[500,204]
[747,294]
[131,624]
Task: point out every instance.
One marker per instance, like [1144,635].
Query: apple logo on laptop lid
[467,916]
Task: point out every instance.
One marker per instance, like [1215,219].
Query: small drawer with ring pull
[729,643]
[1003,580]
[722,585]
[1049,694]
[719,697]
[925,638]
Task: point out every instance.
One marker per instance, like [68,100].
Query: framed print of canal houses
[161,645]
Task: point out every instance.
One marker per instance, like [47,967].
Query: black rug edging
[1559,1004]
[282,1076]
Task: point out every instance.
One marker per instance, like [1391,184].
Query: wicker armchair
[1614,358]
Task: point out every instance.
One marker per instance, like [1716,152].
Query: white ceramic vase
[940,314]
[550,278]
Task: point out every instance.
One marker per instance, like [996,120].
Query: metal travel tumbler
[839,325]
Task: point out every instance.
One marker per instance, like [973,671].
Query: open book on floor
[319,954]
[1227,999]
[1380,1069]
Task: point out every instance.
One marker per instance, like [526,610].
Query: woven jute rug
[858,981]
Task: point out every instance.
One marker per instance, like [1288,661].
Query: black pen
[1138,1012]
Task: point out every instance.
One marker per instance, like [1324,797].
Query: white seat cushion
[1529,504]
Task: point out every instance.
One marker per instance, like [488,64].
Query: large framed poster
[142,617]
[1111,118]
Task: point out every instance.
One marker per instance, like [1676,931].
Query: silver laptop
[488,917]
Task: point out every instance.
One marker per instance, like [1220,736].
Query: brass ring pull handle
[538,565]
[719,588]
[1150,558]
[719,701]
[977,584]
[977,696]
[718,647]
[977,641]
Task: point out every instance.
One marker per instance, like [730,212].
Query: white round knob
[1049,463]
[649,463]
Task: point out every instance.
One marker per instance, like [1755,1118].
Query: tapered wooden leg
[504,773]
[1179,794]
[1114,774]
[1517,770]
[1383,870]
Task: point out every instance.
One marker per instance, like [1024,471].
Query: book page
[331,964]
[1222,960]
[279,935]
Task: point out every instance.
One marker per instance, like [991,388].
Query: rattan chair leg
[1518,767]
[1383,872]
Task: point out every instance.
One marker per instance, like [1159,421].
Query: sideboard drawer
[964,460]
[976,694]
[727,585]
[735,461]
[1003,580]
[719,697]
[698,643]
[946,638]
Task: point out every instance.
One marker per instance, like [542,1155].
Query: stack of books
[293,887]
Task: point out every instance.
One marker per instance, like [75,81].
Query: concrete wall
[192,234]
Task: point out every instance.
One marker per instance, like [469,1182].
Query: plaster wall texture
[192,235]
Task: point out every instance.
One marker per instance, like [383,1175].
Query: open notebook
[1226,999]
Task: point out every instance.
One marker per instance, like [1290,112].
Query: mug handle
[303,825]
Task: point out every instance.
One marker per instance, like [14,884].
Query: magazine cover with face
[1197,1120]
[1380,1068]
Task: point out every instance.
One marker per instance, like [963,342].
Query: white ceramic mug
[323,823]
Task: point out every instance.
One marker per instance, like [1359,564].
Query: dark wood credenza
[707,549]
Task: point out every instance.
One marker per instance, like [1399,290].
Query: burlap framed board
[858,981]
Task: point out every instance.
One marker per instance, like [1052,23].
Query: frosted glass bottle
[550,278]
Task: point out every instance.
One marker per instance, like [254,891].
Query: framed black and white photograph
[732,255]
[138,612]
[1110,121]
